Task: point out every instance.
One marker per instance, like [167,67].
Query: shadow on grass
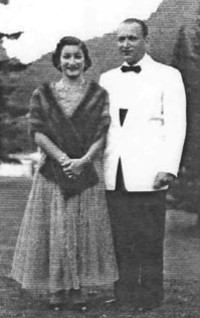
[181,300]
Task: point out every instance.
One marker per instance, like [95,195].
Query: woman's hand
[74,168]
[65,162]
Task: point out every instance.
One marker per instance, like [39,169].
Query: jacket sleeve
[174,112]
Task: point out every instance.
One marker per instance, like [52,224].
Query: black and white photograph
[99,158]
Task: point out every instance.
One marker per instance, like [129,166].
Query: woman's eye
[67,56]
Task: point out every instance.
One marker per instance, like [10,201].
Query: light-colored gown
[64,244]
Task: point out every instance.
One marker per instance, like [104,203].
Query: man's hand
[163,179]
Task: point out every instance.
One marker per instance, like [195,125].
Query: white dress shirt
[152,136]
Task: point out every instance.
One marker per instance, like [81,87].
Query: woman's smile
[72,61]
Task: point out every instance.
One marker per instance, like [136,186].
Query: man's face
[131,42]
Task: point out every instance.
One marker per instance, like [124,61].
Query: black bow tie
[131,68]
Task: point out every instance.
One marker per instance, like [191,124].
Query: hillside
[163,25]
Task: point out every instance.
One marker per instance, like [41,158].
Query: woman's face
[72,61]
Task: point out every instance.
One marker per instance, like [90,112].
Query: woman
[65,241]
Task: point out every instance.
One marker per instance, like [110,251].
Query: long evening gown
[64,244]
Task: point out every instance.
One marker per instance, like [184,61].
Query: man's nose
[126,42]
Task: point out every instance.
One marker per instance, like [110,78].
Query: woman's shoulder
[40,89]
[42,96]
[96,86]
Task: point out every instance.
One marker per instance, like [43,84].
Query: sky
[44,22]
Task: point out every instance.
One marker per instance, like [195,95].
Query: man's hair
[143,25]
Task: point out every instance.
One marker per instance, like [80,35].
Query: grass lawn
[182,265]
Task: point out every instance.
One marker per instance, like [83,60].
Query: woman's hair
[70,40]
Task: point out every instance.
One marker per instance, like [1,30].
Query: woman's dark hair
[70,40]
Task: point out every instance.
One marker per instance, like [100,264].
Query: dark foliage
[13,136]
[4,1]
[11,36]
[12,66]
[187,59]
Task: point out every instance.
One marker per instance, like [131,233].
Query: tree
[186,58]
[4,1]
[10,113]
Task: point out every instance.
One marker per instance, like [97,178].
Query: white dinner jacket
[152,136]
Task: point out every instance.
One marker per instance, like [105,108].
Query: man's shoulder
[109,78]
[165,68]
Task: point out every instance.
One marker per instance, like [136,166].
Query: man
[144,147]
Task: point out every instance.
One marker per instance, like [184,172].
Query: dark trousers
[138,225]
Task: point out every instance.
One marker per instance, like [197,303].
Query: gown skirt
[65,243]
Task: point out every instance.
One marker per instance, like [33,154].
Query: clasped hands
[163,179]
[73,167]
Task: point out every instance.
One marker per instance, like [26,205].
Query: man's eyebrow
[131,37]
